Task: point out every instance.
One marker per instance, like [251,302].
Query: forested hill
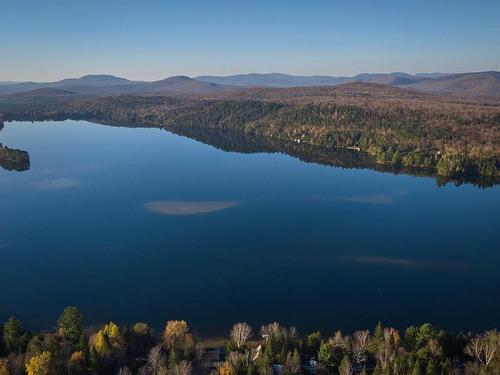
[453,136]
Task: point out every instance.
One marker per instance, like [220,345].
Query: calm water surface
[141,224]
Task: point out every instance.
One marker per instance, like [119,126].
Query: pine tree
[416,368]
[325,356]
[13,333]
[431,368]
[297,361]
[70,323]
[345,367]
[378,331]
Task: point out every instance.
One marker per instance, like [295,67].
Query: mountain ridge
[460,84]
[469,84]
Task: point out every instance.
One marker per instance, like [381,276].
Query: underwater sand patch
[188,207]
[57,184]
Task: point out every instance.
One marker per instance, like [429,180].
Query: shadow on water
[231,141]
[12,159]
[335,157]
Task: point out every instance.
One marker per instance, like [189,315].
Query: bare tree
[239,360]
[483,348]
[240,333]
[182,368]
[385,354]
[345,367]
[338,341]
[392,337]
[294,333]
[471,368]
[434,347]
[157,360]
[360,345]
[272,329]
[124,371]
[255,352]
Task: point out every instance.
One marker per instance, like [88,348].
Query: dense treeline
[236,141]
[112,349]
[450,137]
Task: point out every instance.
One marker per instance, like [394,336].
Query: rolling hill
[468,84]
[464,84]
[272,80]
[180,85]
[43,92]
[286,80]
[111,85]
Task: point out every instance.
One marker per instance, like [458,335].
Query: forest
[72,348]
[236,141]
[451,136]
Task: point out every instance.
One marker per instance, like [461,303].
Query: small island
[13,159]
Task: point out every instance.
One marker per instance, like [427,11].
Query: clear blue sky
[147,40]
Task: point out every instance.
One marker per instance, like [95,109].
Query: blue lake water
[133,224]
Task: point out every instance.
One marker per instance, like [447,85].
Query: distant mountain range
[469,84]
[285,80]
[111,85]
[464,84]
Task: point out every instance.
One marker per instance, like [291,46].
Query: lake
[140,224]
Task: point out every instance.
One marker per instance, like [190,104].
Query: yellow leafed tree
[227,369]
[40,364]
[4,368]
[102,346]
[113,332]
[175,331]
[77,358]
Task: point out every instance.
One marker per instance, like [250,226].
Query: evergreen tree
[431,368]
[416,368]
[345,367]
[70,323]
[377,370]
[325,355]
[13,335]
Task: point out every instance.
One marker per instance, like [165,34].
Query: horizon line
[245,74]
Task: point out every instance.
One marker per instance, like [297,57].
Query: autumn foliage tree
[40,364]
[421,350]
[175,333]
[4,368]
